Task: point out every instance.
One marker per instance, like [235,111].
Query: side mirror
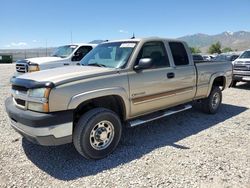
[144,63]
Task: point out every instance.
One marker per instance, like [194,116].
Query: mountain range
[238,41]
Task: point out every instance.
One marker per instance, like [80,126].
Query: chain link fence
[27,53]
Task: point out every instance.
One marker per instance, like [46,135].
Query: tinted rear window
[179,53]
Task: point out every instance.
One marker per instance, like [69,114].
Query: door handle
[170,75]
[66,64]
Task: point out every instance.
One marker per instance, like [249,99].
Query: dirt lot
[190,149]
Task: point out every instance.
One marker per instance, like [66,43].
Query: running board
[158,115]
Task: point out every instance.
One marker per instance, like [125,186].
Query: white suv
[64,55]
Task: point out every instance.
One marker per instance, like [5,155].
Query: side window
[81,52]
[157,52]
[179,53]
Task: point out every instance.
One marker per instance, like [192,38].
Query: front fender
[85,96]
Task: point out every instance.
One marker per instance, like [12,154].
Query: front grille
[242,67]
[19,88]
[19,95]
[21,67]
[20,102]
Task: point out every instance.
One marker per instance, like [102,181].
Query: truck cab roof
[144,39]
[83,44]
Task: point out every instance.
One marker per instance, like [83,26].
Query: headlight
[38,93]
[38,99]
[33,67]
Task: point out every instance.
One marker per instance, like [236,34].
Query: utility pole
[25,54]
[46,48]
[71,40]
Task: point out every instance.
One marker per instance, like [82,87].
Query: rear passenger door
[184,71]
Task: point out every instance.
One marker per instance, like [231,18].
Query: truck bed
[205,73]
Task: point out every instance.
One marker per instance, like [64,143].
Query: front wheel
[211,104]
[97,133]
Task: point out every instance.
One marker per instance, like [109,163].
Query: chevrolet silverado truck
[62,56]
[119,83]
[241,68]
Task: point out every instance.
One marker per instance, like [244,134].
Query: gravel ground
[190,149]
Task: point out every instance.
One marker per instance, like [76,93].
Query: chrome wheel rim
[216,100]
[102,135]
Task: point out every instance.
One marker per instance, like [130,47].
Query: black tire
[234,83]
[210,105]
[83,138]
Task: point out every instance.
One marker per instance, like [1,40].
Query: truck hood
[40,60]
[66,74]
[242,60]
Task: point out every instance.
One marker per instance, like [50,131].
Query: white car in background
[207,57]
[63,56]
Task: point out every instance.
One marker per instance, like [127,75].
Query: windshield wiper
[97,65]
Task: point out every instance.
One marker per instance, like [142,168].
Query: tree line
[215,48]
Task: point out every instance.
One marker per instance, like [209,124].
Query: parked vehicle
[5,58]
[120,83]
[207,57]
[241,68]
[230,57]
[197,57]
[63,56]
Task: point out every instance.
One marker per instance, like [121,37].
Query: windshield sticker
[127,45]
[72,46]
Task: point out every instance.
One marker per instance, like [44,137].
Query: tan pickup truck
[119,83]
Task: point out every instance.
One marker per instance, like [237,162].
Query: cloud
[16,44]
[123,31]
[34,40]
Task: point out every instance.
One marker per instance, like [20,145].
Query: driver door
[149,87]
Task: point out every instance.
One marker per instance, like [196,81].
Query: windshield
[112,55]
[246,54]
[64,51]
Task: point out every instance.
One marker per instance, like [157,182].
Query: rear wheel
[97,133]
[211,104]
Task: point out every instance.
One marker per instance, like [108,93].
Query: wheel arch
[111,102]
[218,80]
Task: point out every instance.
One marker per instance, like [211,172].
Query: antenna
[133,36]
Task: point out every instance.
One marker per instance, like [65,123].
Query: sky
[34,23]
